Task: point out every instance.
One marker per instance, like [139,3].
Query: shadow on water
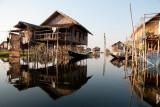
[57,81]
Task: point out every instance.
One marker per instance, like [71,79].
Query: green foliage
[147,32]
[5,54]
[141,47]
[42,44]
[25,54]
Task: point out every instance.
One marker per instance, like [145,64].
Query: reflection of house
[117,62]
[14,68]
[4,45]
[96,55]
[5,60]
[55,81]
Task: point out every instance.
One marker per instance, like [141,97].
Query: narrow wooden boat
[118,56]
[78,55]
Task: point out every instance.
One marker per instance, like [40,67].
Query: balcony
[53,36]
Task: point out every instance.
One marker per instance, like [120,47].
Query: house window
[75,33]
[79,34]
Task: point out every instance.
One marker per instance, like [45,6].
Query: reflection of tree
[55,81]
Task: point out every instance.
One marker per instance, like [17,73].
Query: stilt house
[58,30]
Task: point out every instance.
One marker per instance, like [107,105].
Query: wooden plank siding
[152,26]
[79,36]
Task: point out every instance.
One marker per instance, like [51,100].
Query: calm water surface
[96,82]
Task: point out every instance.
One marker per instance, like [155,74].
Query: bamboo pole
[133,39]
[144,36]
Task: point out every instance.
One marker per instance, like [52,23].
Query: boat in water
[78,55]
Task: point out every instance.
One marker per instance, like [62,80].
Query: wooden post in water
[158,47]
[47,51]
[57,46]
[133,40]
[104,66]
[148,48]
[144,33]
[104,44]
[157,79]
[28,45]
[132,36]
[65,46]
[53,53]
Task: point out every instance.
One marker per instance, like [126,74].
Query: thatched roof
[25,25]
[72,21]
[59,25]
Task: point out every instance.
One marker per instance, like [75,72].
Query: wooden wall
[14,46]
[79,36]
[152,26]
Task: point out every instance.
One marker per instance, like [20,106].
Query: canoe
[118,56]
[78,55]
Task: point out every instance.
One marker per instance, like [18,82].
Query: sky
[111,17]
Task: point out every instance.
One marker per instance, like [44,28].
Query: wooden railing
[53,36]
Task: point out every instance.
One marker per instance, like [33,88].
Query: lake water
[95,82]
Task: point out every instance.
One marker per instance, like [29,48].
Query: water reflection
[117,62]
[5,59]
[96,55]
[56,81]
[143,83]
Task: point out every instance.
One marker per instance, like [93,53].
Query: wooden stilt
[65,45]
[28,45]
[157,80]
[57,48]
[133,40]
[47,50]
[53,54]
[151,45]
[158,47]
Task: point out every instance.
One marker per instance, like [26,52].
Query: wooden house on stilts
[58,31]
[151,28]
